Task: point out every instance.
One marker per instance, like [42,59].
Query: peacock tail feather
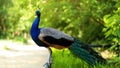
[86,53]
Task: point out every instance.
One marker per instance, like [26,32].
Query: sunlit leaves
[112,26]
[89,20]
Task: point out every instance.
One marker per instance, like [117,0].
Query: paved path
[30,56]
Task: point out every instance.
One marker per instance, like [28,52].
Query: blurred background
[92,21]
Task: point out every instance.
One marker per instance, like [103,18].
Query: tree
[4,6]
[112,27]
[92,21]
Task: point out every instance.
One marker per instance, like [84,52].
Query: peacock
[50,37]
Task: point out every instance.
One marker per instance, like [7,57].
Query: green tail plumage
[86,53]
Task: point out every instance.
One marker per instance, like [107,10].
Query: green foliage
[112,26]
[65,59]
[89,20]
[93,23]
[81,19]
[4,6]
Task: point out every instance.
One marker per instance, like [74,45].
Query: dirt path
[19,56]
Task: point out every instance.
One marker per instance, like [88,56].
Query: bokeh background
[91,21]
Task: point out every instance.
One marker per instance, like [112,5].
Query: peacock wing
[55,37]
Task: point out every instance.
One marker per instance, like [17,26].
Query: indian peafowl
[49,37]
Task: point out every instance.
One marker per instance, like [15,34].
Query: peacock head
[38,13]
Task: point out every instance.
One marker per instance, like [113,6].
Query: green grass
[64,59]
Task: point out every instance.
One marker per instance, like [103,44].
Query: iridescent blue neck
[35,24]
[34,29]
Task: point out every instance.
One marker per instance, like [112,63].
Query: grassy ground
[64,59]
